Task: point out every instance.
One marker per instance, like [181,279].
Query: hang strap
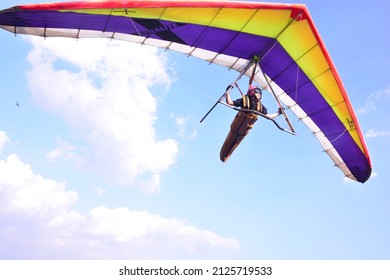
[246,102]
[259,107]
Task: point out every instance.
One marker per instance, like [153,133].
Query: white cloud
[99,191]
[120,224]
[102,92]
[3,140]
[374,134]
[37,221]
[63,150]
[374,175]
[369,106]
[181,122]
[374,100]
[22,191]
[184,125]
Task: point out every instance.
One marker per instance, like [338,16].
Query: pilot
[252,101]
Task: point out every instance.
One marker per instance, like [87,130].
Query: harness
[246,104]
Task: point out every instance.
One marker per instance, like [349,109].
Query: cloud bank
[38,221]
[102,91]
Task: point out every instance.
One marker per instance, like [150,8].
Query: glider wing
[283,36]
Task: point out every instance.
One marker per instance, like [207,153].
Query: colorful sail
[283,36]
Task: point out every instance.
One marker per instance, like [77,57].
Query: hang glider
[291,53]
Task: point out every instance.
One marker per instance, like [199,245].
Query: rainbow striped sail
[283,36]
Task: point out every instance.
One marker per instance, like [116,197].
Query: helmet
[252,90]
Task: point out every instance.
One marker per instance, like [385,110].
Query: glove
[280,111]
[229,87]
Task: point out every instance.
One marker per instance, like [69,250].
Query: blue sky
[105,158]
